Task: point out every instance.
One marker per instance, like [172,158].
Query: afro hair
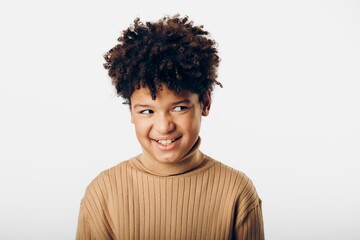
[171,51]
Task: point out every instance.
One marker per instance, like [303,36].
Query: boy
[166,71]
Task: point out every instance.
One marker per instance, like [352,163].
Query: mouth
[166,142]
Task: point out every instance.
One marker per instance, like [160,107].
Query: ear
[206,104]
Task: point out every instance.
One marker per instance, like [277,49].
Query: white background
[288,115]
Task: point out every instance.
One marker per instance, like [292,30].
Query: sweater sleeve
[94,221]
[83,228]
[251,227]
[248,215]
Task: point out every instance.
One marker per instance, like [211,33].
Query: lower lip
[169,147]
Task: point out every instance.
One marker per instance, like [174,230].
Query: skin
[169,116]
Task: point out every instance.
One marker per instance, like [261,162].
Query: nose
[164,124]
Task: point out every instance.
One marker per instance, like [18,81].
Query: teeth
[166,141]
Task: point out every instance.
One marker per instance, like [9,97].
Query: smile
[166,142]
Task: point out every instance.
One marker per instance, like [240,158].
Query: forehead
[165,95]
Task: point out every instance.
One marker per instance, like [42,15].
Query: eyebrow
[141,105]
[186,101]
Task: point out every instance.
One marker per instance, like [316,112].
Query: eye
[179,108]
[147,111]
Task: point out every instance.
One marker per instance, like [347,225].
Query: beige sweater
[198,198]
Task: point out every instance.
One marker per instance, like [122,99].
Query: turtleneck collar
[190,161]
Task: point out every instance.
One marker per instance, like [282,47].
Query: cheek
[139,126]
[191,124]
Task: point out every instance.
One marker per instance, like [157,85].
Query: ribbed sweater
[196,198]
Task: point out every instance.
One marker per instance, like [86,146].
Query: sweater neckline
[190,161]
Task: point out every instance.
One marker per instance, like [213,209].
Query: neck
[190,161]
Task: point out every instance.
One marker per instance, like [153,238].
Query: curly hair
[171,51]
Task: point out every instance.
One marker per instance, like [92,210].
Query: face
[169,126]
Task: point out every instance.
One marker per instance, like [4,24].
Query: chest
[195,207]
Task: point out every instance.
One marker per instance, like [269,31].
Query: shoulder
[227,171]
[104,182]
[242,184]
